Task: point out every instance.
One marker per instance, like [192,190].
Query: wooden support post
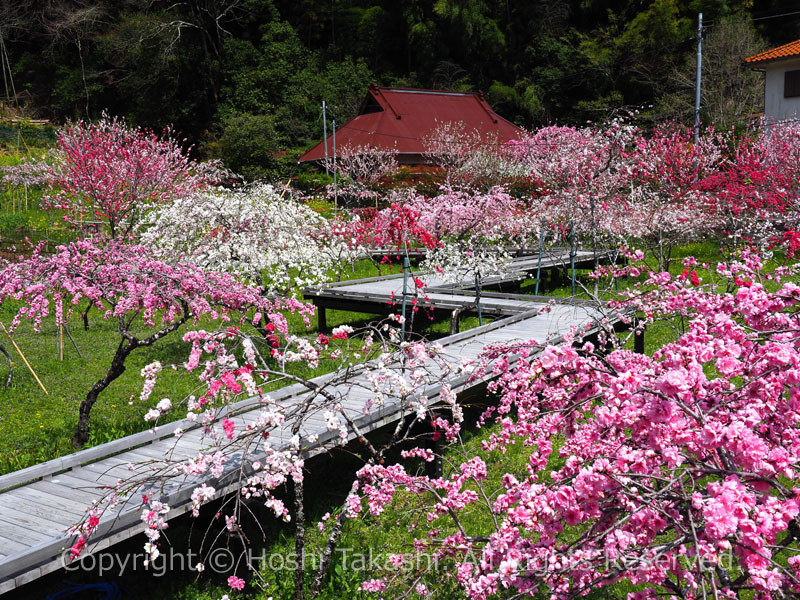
[434,469]
[638,338]
[322,321]
[74,345]
[539,263]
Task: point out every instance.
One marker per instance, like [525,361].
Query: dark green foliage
[222,70]
[250,145]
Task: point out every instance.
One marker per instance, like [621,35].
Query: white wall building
[782,82]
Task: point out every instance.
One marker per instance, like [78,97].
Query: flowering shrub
[395,229]
[753,192]
[666,203]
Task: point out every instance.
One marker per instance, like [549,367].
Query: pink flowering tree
[392,231]
[264,452]
[476,230]
[666,202]
[111,174]
[754,190]
[141,293]
[676,473]
[581,173]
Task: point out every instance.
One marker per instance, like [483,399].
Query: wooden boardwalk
[38,504]
[383,295]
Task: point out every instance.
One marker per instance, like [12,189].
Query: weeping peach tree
[128,284]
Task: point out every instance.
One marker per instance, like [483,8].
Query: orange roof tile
[786,51]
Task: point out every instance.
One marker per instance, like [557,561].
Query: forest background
[243,80]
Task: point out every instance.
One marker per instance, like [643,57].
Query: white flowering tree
[254,232]
[363,167]
[469,156]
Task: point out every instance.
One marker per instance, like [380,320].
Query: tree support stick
[478,298]
[539,264]
[406,267]
[572,255]
[638,337]
[71,339]
[25,360]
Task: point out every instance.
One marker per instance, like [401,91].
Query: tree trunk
[116,369]
[86,316]
[127,344]
[327,554]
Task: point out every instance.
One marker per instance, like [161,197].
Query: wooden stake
[25,360]
[71,339]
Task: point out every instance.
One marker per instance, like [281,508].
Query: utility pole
[325,136]
[699,77]
[335,189]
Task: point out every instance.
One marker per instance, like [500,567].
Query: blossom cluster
[677,472]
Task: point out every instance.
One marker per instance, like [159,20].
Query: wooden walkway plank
[61,491]
[25,528]
[35,493]
[68,479]
[11,547]
[43,507]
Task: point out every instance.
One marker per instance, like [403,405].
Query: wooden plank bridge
[39,504]
[383,295]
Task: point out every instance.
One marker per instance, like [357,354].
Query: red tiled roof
[786,51]
[399,119]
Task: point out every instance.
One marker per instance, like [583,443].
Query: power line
[797,12]
[711,24]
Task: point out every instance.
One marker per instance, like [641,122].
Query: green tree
[730,92]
